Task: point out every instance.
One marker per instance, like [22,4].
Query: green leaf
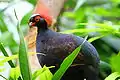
[42,71]
[79,4]
[44,74]
[85,30]
[7,59]
[3,26]
[69,14]
[115,63]
[66,63]
[37,73]
[119,53]
[113,76]
[105,69]
[23,58]
[104,29]
[6,54]
[95,38]
[23,55]
[1,64]
[104,66]
[32,1]
[25,19]
[14,73]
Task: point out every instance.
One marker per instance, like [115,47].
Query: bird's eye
[36,19]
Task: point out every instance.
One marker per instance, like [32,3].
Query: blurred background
[75,17]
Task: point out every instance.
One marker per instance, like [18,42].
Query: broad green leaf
[14,73]
[3,26]
[115,63]
[23,58]
[119,53]
[43,73]
[113,76]
[46,74]
[25,19]
[6,54]
[37,73]
[66,63]
[1,64]
[23,55]
[69,14]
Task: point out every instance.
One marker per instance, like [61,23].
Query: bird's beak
[31,24]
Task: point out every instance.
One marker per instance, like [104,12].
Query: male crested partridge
[57,46]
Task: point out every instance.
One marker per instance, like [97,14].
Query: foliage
[113,76]
[6,54]
[24,64]
[14,73]
[99,19]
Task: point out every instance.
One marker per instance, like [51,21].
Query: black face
[36,20]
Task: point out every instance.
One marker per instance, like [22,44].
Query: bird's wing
[88,51]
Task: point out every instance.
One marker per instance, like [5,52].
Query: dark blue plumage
[57,46]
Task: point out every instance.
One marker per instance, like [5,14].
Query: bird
[57,46]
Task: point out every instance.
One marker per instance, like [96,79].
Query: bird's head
[38,21]
[41,15]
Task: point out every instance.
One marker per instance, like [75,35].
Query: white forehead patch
[35,15]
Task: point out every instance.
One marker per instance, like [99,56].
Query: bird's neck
[45,33]
[42,28]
